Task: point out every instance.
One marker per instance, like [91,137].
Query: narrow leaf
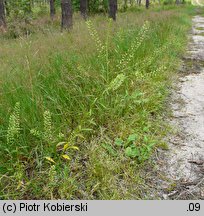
[66,157]
[50,159]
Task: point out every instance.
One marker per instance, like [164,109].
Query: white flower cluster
[159,70]
[117,82]
[47,126]
[129,55]
[94,34]
[13,132]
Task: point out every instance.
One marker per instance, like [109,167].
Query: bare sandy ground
[183,164]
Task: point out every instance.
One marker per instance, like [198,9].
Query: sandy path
[184,162]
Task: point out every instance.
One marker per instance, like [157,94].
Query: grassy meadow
[81,112]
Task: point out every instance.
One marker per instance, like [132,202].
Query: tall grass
[81,112]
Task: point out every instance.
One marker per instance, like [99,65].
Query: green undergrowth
[82,112]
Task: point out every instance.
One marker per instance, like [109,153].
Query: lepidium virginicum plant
[54,143]
[128,56]
[102,47]
[13,131]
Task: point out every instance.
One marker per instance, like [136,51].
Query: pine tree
[112,9]
[83,8]
[67,14]
[147,4]
[2,14]
[52,9]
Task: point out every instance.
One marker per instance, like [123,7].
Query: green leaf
[86,129]
[60,144]
[119,142]
[74,147]
[131,152]
[66,157]
[132,138]
[146,139]
[66,146]
[146,129]
[50,159]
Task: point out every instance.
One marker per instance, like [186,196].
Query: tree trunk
[52,9]
[147,4]
[2,14]
[67,14]
[83,8]
[112,9]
